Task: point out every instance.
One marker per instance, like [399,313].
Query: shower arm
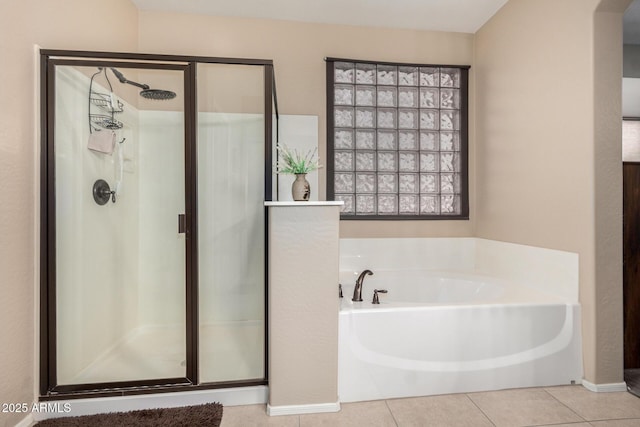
[123,79]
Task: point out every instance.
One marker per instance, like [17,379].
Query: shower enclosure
[153,243]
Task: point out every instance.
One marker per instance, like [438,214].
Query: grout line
[480,409]
[386,402]
[599,420]
[565,405]
[558,424]
[568,423]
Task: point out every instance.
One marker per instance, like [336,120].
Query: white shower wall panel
[231,217]
[96,268]
[161,268]
[299,133]
[231,252]
[231,245]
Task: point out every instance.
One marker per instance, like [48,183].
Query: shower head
[158,94]
[147,92]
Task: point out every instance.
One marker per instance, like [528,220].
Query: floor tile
[370,414]
[523,407]
[435,411]
[597,406]
[584,424]
[255,416]
[617,423]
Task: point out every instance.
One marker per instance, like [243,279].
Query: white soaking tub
[446,331]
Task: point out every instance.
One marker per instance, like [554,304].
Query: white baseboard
[604,388]
[27,421]
[302,409]
[100,405]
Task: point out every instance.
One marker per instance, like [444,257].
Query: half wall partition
[154,173]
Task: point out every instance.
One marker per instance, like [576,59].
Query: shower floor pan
[228,351]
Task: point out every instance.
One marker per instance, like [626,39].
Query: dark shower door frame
[49,59]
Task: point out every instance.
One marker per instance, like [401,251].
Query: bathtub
[442,331]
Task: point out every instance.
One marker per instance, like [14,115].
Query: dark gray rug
[209,415]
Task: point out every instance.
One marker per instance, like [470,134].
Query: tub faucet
[357,291]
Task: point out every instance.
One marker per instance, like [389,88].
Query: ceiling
[465,16]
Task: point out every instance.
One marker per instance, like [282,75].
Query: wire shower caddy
[105,106]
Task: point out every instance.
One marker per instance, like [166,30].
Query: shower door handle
[182,223]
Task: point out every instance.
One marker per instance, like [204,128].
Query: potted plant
[293,163]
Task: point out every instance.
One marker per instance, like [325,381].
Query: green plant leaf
[294,163]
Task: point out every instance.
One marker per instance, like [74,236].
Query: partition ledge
[300,204]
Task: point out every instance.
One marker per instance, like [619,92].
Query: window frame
[463,153]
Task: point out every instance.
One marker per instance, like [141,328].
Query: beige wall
[535,169]
[533,137]
[298,51]
[63,24]
[544,163]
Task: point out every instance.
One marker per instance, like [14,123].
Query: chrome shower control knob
[102,193]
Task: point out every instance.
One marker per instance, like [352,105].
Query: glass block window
[397,140]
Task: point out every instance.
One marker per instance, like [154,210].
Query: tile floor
[558,406]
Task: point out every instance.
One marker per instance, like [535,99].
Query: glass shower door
[119,250]
[155,169]
[231,221]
